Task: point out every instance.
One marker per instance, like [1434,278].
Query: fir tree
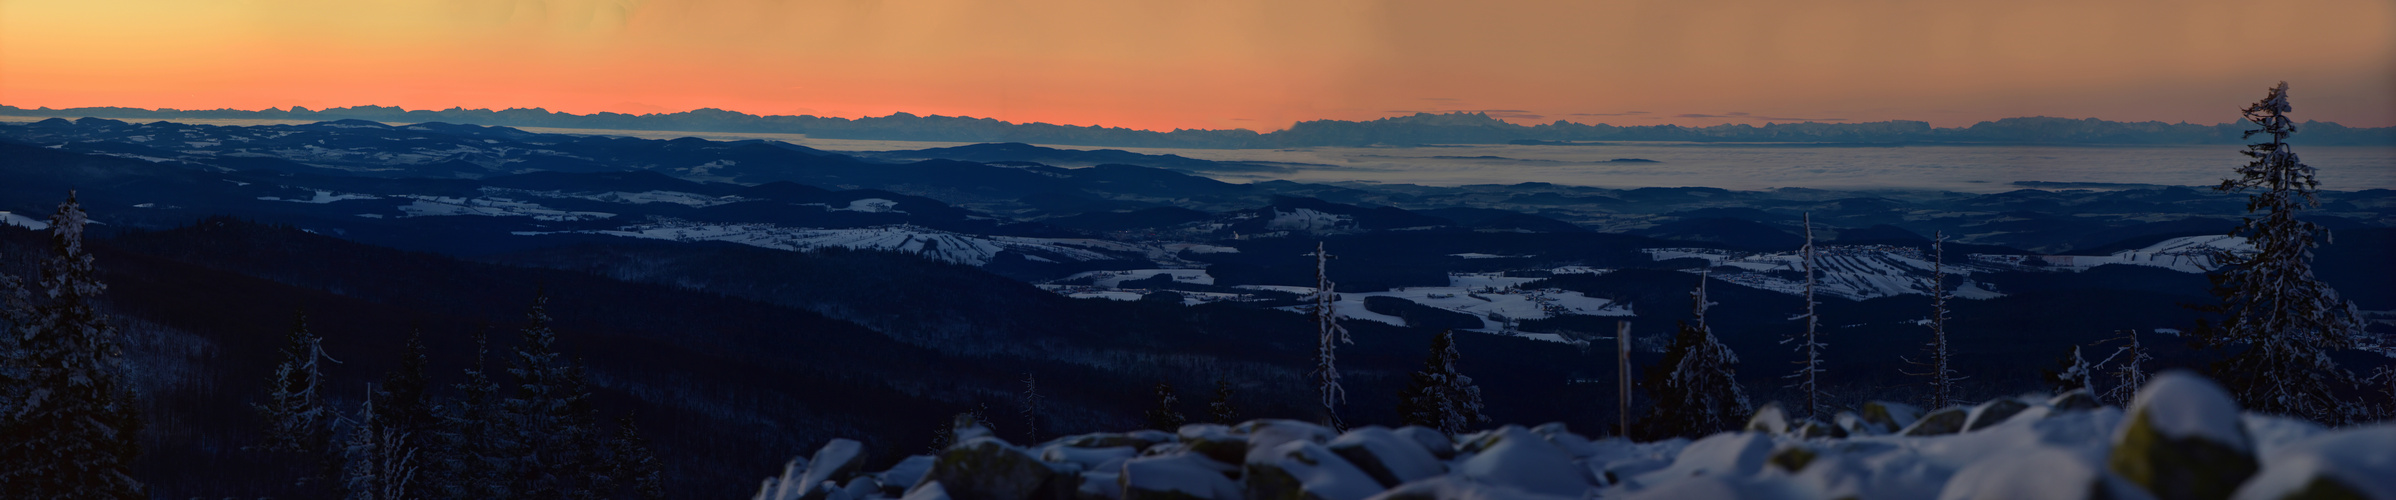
[1329,335]
[294,413]
[1440,397]
[631,463]
[1942,374]
[548,436]
[473,442]
[2283,322]
[1696,387]
[1164,417]
[1220,409]
[404,402]
[68,424]
[379,462]
[1029,405]
[1810,368]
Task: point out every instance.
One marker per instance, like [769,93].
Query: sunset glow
[1219,64]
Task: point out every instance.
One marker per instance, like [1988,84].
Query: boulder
[1514,458]
[1769,419]
[1183,476]
[1812,429]
[1888,417]
[2045,473]
[1557,434]
[1739,454]
[2347,463]
[1264,436]
[2183,440]
[1945,421]
[1300,469]
[1388,457]
[1097,459]
[838,460]
[1215,443]
[1448,487]
[2077,399]
[986,468]
[905,474]
[1994,412]
[1432,440]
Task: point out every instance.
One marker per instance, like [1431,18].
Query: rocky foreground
[2182,437]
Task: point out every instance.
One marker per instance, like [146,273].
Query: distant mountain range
[1413,130]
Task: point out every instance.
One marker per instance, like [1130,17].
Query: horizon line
[897,114]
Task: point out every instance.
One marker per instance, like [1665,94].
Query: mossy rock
[1105,440]
[1810,429]
[1793,459]
[1995,412]
[1891,417]
[1942,422]
[2184,468]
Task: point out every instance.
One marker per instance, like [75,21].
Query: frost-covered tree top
[2281,322]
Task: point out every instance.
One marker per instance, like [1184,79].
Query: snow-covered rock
[987,468]
[1388,457]
[1302,469]
[2047,473]
[1431,439]
[2183,439]
[1176,476]
[2348,463]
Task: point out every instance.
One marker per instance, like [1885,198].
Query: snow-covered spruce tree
[2281,322]
[1028,404]
[1329,335]
[379,464]
[2132,373]
[1440,397]
[1164,417]
[70,428]
[1696,386]
[1809,369]
[471,461]
[294,414]
[1220,409]
[549,438]
[1941,374]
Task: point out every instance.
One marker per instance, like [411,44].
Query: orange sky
[1221,63]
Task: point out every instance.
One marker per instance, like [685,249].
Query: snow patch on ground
[12,219]
[1854,272]
[2187,254]
[323,197]
[930,243]
[433,206]
[1308,220]
[1112,279]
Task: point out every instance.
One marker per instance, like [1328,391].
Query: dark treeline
[1417,129]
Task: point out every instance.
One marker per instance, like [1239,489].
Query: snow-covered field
[12,219]
[1852,272]
[2187,254]
[2181,437]
[930,243]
